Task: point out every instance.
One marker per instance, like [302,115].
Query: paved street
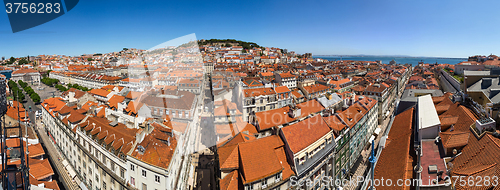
[182,169]
[56,158]
[365,154]
[45,91]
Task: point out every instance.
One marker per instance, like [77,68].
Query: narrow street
[365,154]
[56,158]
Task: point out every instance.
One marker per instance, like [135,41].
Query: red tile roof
[157,150]
[302,134]
[454,139]
[99,92]
[395,161]
[315,88]
[251,154]
[258,92]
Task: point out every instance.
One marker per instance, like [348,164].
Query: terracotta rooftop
[258,92]
[454,139]
[302,134]
[396,160]
[281,89]
[159,147]
[99,92]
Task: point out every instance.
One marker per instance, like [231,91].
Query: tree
[125,49]
[23,61]
[18,95]
[35,97]
[22,84]
[90,59]
[12,84]
[228,45]
[243,51]
[11,60]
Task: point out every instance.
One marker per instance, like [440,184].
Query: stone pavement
[365,154]
[56,158]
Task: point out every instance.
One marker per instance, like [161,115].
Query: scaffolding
[14,174]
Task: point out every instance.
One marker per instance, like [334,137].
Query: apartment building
[314,91]
[286,79]
[354,128]
[381,94]
[148,165]
[284,96]
[88,80]
[249,163]
[268,122]
[29,76]
[190,85]
[101,95]
[258,100]
[309,146]
[107,154]
[178,105]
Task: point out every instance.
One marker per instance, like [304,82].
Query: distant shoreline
[385,56]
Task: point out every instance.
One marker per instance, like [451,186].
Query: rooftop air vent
[113,124]
[141,149]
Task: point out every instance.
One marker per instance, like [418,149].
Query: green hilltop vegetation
[229,43]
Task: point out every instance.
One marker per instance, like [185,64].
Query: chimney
[486,83]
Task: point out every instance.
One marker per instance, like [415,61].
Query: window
[90,182]
[96,178]
[112,166]
[264,183]
[144,186]
[143,173]
[122,172]
[104,185]
[132,181]
[157,178]
[132,167]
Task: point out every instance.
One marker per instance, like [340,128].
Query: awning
[371,139]
[82,185]
[377,131]
[71,172]
[65,163]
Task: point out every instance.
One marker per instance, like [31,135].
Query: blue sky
[416,28]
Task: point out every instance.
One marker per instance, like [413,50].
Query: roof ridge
[474,155]
[475,172]
[491,138]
